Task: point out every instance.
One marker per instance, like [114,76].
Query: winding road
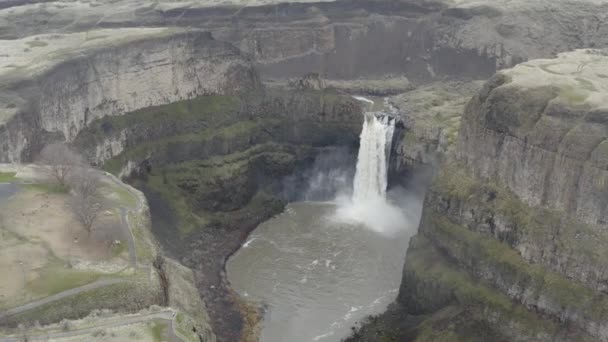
[128,320]
[129,235]
[97,284]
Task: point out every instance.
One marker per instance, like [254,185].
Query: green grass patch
[46,188]
[120,195]
[183,327]
[584,243]
[169,148]
[118,249]
[528,224]
[185,185]
[158,330]
[144,247]
[36,43]
[128,296]
[201,112]
[56,278]
[184,128]
[513,270]
[7,177]
[437,277]
[572,95]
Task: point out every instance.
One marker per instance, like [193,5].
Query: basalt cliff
[122,56]
[511,244]
[208,107]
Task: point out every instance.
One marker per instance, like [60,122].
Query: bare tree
[61,160]
[86,197]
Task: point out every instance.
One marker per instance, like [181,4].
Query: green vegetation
[183,328]
[188,116]
[189,129]
[122,196]
[535,224]
[194,189]
[46,188]
[499,262]
[457,324]
[145,249]
[572,95]
[158,330]
[7,177]
[452,127]
[438,281]
[36,43]
[186,145]
[512,270]
[56,278]
[118,249]
[127,296]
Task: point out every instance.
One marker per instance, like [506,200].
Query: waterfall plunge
[375,147]
[368,205]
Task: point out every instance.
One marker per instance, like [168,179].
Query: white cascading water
[374,151]
[368,205]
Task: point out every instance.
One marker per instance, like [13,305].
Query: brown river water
[317,275]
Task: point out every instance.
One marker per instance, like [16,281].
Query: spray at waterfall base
[368,204]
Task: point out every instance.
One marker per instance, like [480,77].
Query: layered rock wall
[113,81]
[350,39]
[516,218]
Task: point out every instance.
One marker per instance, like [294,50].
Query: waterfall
[368,206]
[372,161]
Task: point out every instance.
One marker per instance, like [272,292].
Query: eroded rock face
[541,128]
[484,244]
[216,166]
[431,116]
[113,80]
[517,216]
[348,39]
[338,39]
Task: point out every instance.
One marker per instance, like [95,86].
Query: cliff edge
[511,245]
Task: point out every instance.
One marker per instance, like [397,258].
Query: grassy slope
[7,177]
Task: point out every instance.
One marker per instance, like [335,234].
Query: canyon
[217,112]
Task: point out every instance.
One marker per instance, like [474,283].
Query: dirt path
[130,241]
[124,217]
[100,283]
[164,315]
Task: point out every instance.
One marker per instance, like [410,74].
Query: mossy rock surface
[482,232]
[540,234]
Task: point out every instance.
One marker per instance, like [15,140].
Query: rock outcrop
[513,225]
[423,40]
[541,128]
[512,242]
[215,166]
[107,73]
[348,39]
[431,116]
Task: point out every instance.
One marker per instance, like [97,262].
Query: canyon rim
[470,136]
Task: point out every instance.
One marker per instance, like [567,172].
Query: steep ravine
[512,242]
[213,168]
[513,225]
[77,79]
